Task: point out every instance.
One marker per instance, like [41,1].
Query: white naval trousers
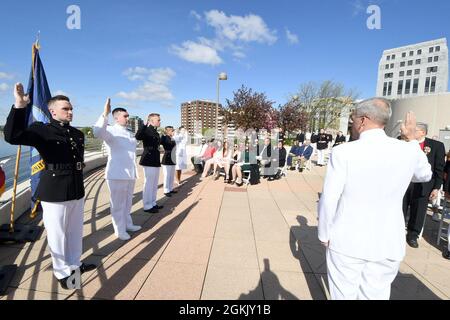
[150,189]
[121,202]
[356,279]
[321,156]
[169,176]
[63,222]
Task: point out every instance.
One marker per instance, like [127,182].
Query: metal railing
[93,147]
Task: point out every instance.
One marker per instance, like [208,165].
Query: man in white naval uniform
[121,171]
[360,211]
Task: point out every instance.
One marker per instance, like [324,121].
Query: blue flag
[37,110]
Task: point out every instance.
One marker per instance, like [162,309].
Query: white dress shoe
[134,228]
[124,236]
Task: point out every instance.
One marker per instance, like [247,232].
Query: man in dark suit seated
[418,194]
[305,153]
[293,155]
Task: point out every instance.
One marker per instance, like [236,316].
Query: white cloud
[292,38]
[358,7]
[155,85]
[4,87]
[194,14]
[197,52]
[247,28]
[239,55]
[4,75]
[231,33]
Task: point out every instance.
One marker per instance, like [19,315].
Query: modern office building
[414,70]
[198,115]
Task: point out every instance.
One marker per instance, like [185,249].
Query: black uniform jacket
[152,140]
[169,150]
[436,157]
[62,149]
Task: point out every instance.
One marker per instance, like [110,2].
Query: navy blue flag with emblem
[37,110]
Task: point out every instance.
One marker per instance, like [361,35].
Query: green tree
[323,104]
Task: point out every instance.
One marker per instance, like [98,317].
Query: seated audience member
[304,154]
[293,155]
[208,156]
[197,160]
[222,160]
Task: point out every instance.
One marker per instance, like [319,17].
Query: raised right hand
[409,126]
[107,110]
[22,99]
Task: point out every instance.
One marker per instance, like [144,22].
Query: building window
[400,87]
[402,73]
[388,75]
[386,67]
[393,57]
[431,50]
[430,59]
[411,53]
[427,85]
[409,72]
[408,86]
[416,85]
[418,61]
[384,89]
[432,69]
[438,48]
[436,59]
[402,64]
[419,52]
[389,88]
[417,71]
[403,54]
[410,63]
[392,65]
[433,84]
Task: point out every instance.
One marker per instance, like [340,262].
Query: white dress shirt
[121,146]
[360,210]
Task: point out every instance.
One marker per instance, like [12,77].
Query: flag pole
[13,205]
[19,152]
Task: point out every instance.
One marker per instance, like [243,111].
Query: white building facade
[414,70]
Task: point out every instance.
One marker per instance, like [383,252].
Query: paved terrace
[212,241]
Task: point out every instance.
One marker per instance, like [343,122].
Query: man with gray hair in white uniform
[121,171]
[360,210]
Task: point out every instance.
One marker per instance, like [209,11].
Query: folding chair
[442,232]
[249,172]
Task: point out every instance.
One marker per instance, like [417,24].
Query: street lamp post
[222,76]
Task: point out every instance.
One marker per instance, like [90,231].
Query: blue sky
[153,55]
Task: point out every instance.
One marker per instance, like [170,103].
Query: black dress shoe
[63,283]
[152,210]
[158,207]
[412,243]
[167,195]
[173,192]
[87,267]
[446,254]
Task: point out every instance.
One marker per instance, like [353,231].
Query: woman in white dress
[181,156]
